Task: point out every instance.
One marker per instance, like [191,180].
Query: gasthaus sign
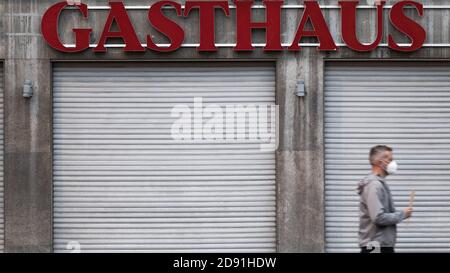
[312,14]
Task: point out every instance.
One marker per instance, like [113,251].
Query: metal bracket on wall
[28,89]
[300,92]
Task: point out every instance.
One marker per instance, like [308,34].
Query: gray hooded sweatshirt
[378,218]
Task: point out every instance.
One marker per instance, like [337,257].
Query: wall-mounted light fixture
[28,89]
[300,92]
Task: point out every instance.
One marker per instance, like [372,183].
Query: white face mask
[392,167]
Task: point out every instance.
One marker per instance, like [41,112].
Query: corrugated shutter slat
[403,105]
[122,184]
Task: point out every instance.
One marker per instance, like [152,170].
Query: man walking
[378,217]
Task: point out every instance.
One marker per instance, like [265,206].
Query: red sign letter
[119,15]
[244,25]
[166,26]
[348,18]
[320,29]
[49,28]
[408,26]
[207,10]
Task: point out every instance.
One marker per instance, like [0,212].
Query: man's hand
[408,212]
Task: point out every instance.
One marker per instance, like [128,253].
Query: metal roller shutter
[122,184]
[2,202]
[406,106]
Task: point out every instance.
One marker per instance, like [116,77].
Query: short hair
[376,151]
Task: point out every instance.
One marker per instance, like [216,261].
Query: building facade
[89,161]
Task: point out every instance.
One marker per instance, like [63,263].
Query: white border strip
[257,45]
[283,7]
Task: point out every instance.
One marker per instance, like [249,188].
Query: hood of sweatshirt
[366,180]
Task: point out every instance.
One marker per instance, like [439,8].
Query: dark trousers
[382,250]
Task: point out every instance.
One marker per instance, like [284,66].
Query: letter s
[409,27]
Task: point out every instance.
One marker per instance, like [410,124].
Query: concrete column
[28,133]
[300,192]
